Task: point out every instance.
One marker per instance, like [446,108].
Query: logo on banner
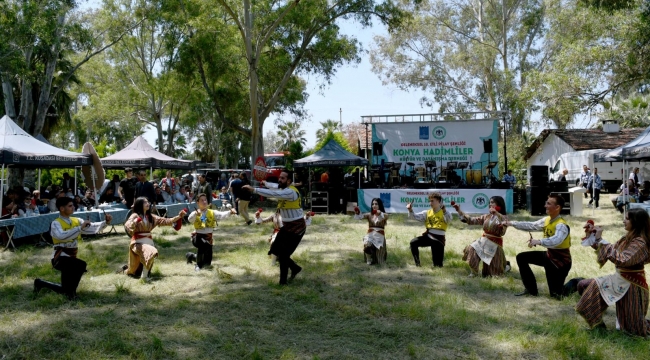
[385,198]
[16,157]
[439,132]
[424,133]
[480,201]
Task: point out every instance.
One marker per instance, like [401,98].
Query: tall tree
[145,59]
[281,39]
[470,54]
[291,132]
[38,35]
[328,126]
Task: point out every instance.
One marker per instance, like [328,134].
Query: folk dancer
[204,221]
[276,220]
[627,287]
[374,242]
[66,233]
[294,226]
[142,251]
[436,221]
[556,260]
[489,247]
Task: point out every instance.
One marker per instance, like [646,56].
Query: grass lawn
[337,308]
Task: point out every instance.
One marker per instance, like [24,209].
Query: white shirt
[561,231]
[639,177]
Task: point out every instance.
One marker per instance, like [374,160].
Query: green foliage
[295,152]
[336,136]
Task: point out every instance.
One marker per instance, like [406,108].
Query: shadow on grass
[337,308]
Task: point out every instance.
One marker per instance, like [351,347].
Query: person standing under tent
[126,190]
[636,177]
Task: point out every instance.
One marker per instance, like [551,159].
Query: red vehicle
[275,164]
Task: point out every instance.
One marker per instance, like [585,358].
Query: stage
[471,201]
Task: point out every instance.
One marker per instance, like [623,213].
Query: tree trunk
[44,99]
[8,93]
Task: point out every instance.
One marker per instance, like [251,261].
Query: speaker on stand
[487,149]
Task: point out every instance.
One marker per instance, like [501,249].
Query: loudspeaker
[535,199]
[377,149]
[487,146]
[539,171]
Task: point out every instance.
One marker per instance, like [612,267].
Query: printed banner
[471,201]
[439,141]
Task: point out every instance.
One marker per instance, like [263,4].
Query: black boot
[39,284]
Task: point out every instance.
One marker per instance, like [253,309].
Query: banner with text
[471,201]
[439,141]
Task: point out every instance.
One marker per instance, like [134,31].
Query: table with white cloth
[643,206]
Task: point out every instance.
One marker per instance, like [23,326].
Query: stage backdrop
[442,141]
[472,201]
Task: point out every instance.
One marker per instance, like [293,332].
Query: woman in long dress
[142,251]
[374,243]
[489,247]
[627,287]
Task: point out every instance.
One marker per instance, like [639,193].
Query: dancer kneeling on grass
[374,243]
[141,250]
[489,247]
[293,227]
[204,221]
[627,288]
[276,219]
[66,233]
[436,220]
[556,260]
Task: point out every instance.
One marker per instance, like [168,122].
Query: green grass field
[337,308]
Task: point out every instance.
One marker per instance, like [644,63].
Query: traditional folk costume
[374,242]
[436,223]
[204,223]
[556,260]
[627,287]
[66,233]
[293,228]
[142,251]
[489,247]
[276,220]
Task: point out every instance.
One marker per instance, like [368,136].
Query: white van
[573,161]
